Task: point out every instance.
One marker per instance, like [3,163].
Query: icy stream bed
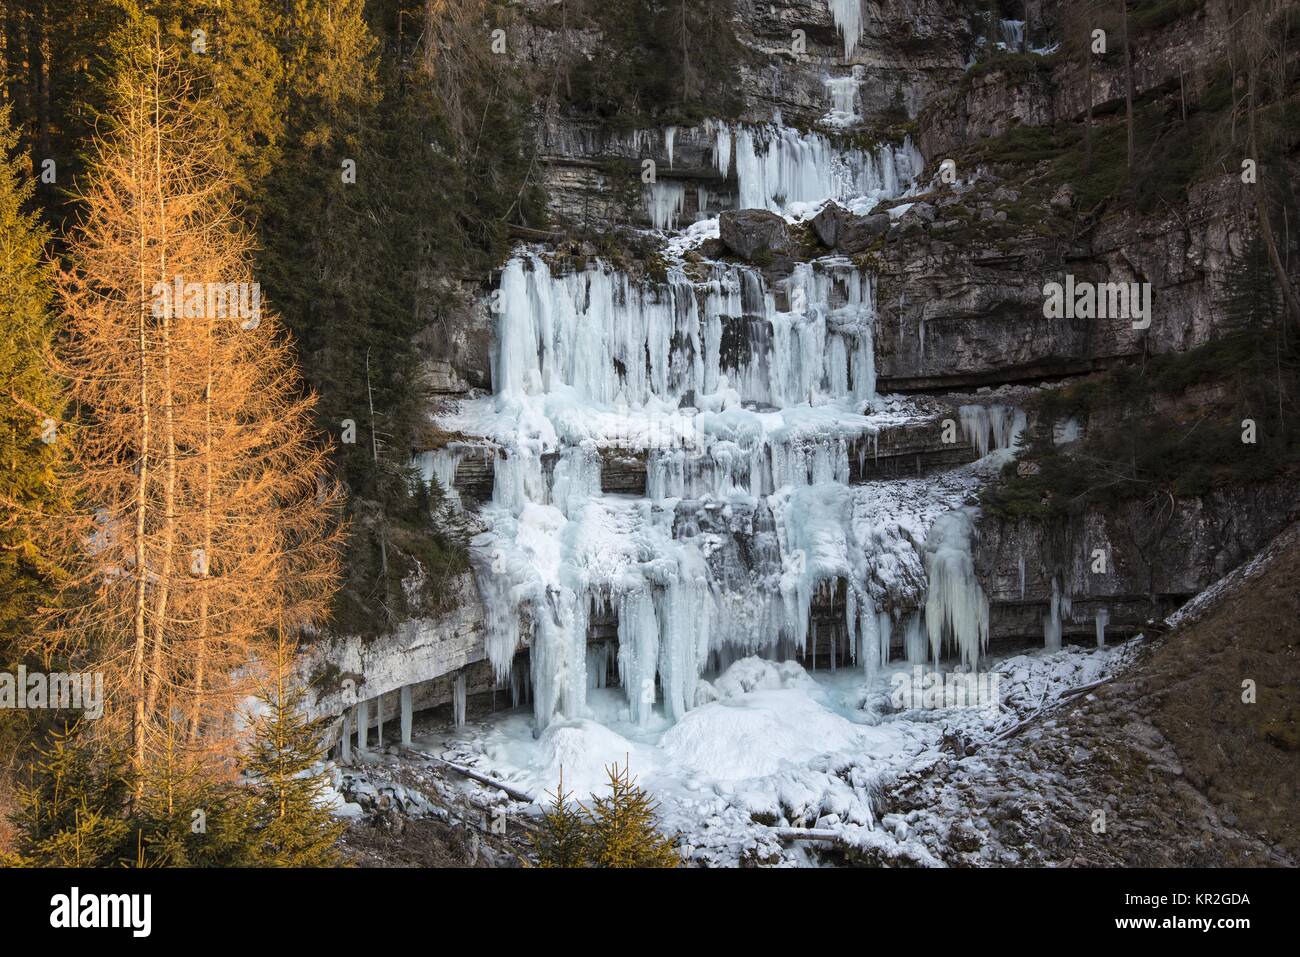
[772,748]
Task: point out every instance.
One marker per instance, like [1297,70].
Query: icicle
[520,684]
[956,608]
[1102,620]
[885,624]
[441,465]
[722,149]
[848,20]
[665,200]
[458,701]
[915,644]
[1052,621]
[991,427]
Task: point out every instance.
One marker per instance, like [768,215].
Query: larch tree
[206,518]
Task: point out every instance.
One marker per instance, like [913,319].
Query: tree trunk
[141,511]
[1128,81]
[169,428]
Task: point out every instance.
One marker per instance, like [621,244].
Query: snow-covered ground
[771,750]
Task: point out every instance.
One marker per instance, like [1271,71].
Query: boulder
[826,224]
[847,232]
[857,233]
[749,232]
[924,212]
[1063,199]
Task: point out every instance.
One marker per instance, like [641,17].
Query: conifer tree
[248,93]
[30,403]
[208,517]
[1247,293]
[562,839]
[72,813]
[616,831]
[292,827]
[622,830]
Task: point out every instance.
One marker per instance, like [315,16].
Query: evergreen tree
[1247,292]
[30,404]
[72,813]
[622,829]
[616,831]
[292,827]
[189,815]
[54,74]
[562,839]
[248,94]
[658,61]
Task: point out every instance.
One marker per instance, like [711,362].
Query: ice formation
[1011,35]
[440,465]
[843,94]
[991,427]
[956,610]
[848,20]
[458,701]
[665,201]
[783,170]
[747,403]
[1060,608]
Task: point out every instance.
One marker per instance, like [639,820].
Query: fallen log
[483,779]
[1084,689]
[1045,708]
[808,834]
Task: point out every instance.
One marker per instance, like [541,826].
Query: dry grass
[1244,757]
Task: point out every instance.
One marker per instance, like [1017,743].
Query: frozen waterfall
[786,170]
[743,402]
[782,169]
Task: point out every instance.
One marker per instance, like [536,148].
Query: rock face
[457,345]
[421,653]
[965,302]
[751,233]
[1151,557]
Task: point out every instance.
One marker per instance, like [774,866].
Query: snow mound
[756,674]
[758,733]
[583,750]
